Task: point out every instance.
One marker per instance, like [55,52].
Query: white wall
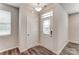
[60,34]
[28,22]
[74,28]
[10,41]
[62,28]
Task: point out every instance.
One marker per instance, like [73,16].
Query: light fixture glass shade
[38,9]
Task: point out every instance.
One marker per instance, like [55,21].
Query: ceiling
[28,4]
[69,7]
[15,4]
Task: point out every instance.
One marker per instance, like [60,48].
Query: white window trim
[5,32]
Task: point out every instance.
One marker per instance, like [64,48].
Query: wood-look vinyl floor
[71,49]
[14,51]
[38,50]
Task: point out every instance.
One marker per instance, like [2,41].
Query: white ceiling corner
[71,7]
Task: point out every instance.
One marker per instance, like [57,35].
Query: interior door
[46,29]
[32,30]
[28,32]
[28,29]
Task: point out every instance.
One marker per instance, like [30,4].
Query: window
[46,17]
[48,14]
[5,23]
[46,26]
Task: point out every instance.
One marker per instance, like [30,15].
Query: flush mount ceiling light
[38,8]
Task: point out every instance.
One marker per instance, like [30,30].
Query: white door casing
[46,39]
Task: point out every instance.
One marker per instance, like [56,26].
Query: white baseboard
[8,49]
[74,42]
[22,50]
[58,52]
[26,48]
